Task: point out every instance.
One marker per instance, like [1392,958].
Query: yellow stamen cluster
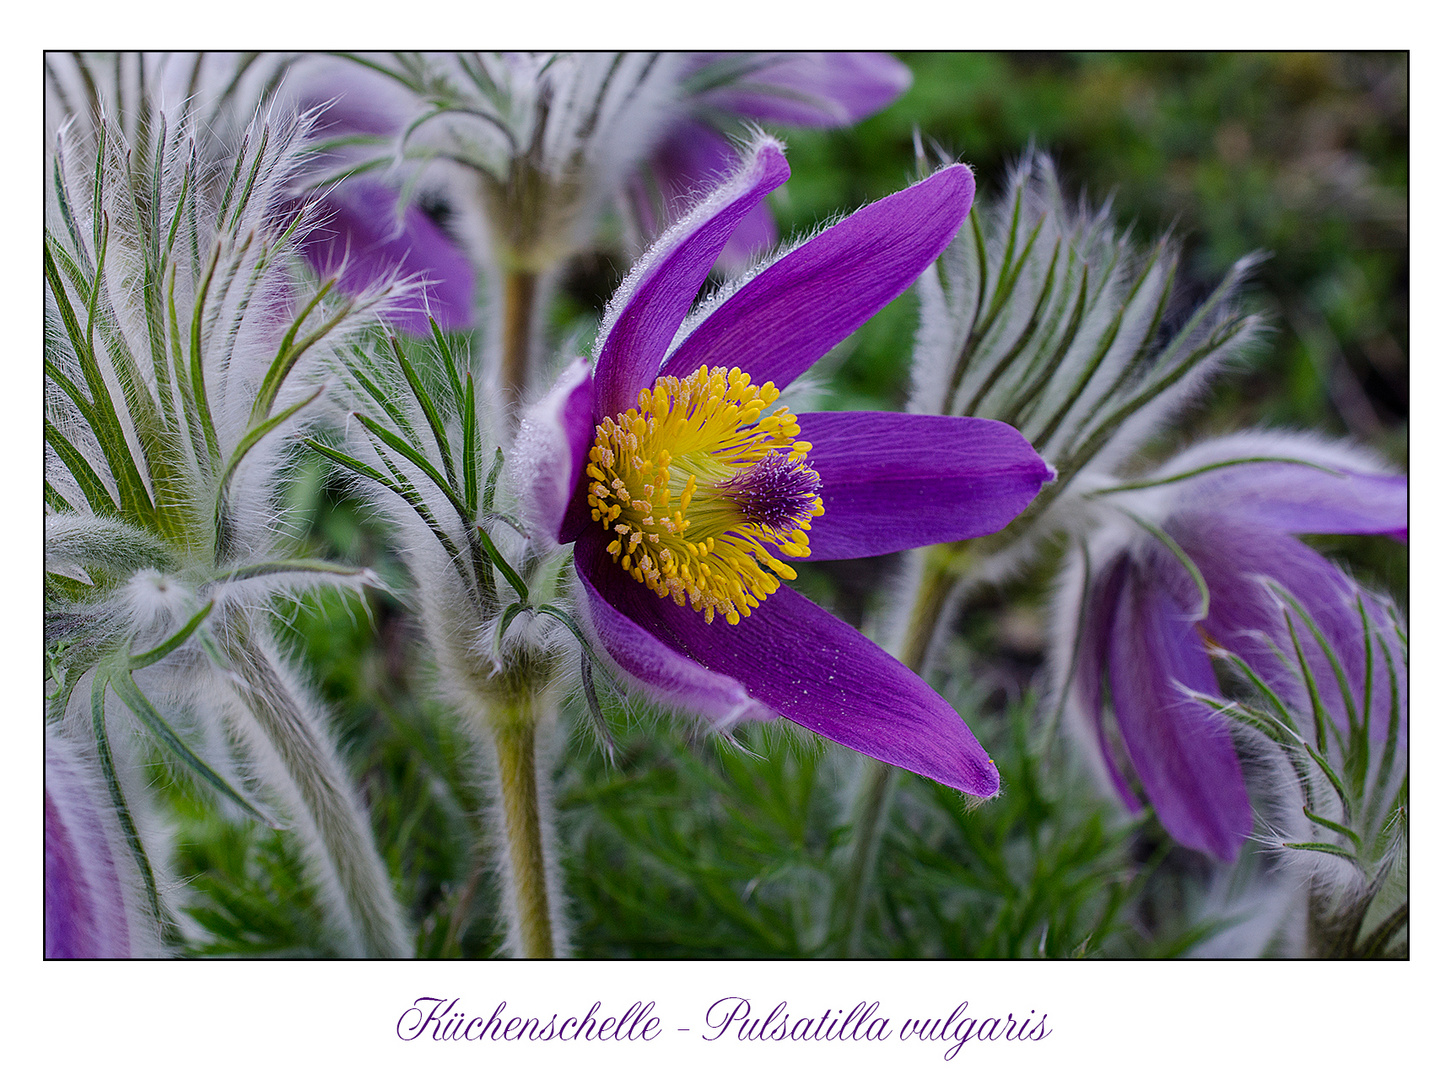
[666,481]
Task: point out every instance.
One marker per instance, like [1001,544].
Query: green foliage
[1042,870]
[249,896]
[702,848]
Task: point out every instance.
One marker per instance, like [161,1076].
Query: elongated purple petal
[1300,499]
[85,913]
[814,89]
[361,236]
[687,162]
[1247,619]
[786,318]
[548,455]
[651,304]
[1181,750]
[892,481]
[661,672]
[1098,632]
[813,669]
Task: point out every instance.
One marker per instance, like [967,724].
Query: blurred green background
[688,845]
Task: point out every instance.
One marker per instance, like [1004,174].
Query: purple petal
[648,308]
[1301,499]
[1247,619]
[811,668]
[353,100]
[691,159]
[85,913]
[786,318]
[814,89]
[754,236]
[892,481]
[362,236]
[1098,632]
[548,455]
[659,671]
[1182,751]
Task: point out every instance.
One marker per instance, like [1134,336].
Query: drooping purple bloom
[361,237]
[1144,646]
[85,908]
[684,491]
[361,231]
[805,89]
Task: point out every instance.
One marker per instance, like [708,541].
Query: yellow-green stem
[935,575]
[514,744]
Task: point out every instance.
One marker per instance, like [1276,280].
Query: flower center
[703,493]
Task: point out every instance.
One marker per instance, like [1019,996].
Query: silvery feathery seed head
[1324,755]
[546,137]
[414,444]
[1042,315]
[1248,910]
[183,346]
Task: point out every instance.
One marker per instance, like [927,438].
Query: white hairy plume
[217,93]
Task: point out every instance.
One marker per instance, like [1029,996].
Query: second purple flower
[1231,509]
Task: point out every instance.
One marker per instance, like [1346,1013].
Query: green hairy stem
[322,805]
[514,723]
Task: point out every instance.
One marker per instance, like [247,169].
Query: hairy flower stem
[321,805]
[515,730]
[931,582]
[521,293]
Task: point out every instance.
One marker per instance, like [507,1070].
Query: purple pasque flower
[1145,639]
[720,90]
[685,487]
[361,238]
